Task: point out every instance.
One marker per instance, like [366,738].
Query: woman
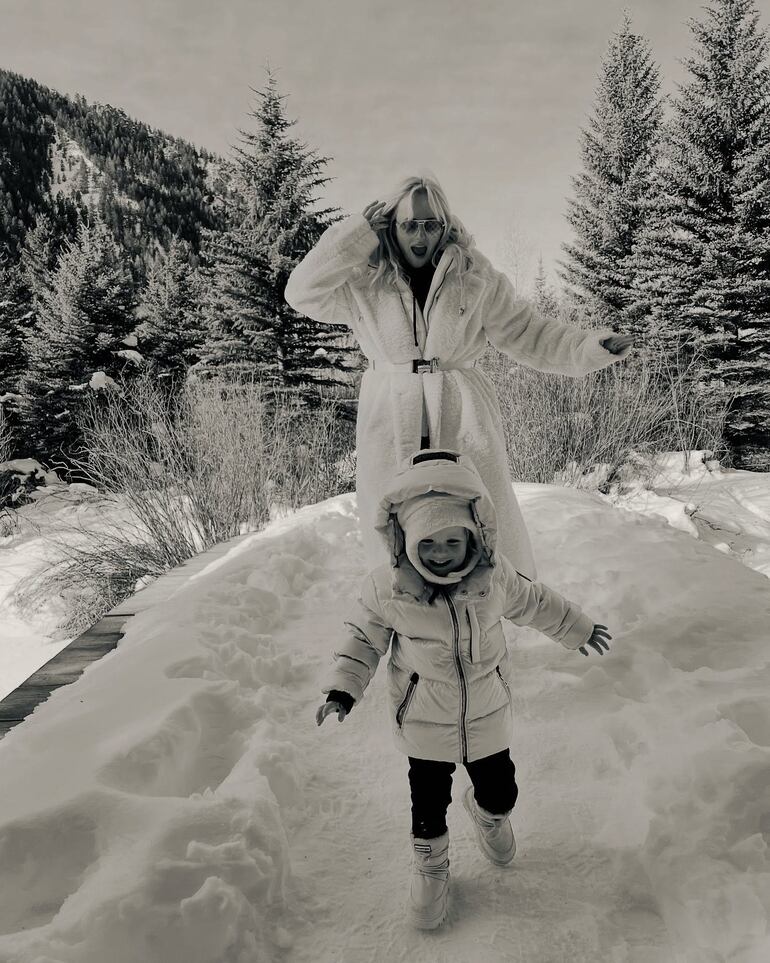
[422,303]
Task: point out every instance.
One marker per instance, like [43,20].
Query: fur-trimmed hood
[449,473]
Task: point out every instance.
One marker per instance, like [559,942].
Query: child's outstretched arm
[535,604]
[357,658]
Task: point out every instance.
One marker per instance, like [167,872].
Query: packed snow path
[179,805]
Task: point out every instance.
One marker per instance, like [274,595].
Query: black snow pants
[494,788]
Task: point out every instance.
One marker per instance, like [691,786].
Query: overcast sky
[489,94]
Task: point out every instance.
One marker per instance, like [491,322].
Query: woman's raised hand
[599,640]
[373,213]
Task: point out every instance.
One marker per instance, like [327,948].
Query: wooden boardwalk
[65,667]
[70,662]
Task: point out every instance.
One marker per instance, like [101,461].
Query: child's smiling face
[445,550]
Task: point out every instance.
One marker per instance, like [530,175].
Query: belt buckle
[426,365]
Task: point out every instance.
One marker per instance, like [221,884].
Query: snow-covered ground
[729,509]
[178,803]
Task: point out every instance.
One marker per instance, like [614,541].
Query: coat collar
[475,587]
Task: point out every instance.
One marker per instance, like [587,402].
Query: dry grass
[183,475]
[561,428]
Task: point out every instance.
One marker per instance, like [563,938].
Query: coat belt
[420,365]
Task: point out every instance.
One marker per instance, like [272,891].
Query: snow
[729,509]
[178,803]
[133,356]
[101,380]
[24,466]
[29,640]
[27,541]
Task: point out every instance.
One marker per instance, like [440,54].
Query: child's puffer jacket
[448,673]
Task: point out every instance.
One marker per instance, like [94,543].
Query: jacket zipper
[460,674]
[401,711]
[505,684]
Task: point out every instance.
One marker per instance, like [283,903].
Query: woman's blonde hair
[388,261]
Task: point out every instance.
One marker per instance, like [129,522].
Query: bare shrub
[183,474]
[560,428]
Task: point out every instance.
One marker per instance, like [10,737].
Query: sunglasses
[431,225]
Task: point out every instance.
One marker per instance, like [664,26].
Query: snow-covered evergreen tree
[278,178]
[170,334]
[82,317]
[704,256]
[618,149]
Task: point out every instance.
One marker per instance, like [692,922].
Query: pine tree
[170,334]
[16,317]
[544,297]
[704,257]
[83,315]
[235,306]
[278,178]
[618,150]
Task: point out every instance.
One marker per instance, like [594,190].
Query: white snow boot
[494,833]
[429,893]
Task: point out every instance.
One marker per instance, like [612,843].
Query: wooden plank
[19,703]
[64,668]
[108,625]
[67,666]
[87,641]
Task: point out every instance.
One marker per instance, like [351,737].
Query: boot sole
[493,858]
[430,923]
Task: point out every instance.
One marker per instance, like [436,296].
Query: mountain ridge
[59,152]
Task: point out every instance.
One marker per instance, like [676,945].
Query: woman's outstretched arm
[515,327]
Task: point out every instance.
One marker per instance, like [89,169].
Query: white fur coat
[458,404]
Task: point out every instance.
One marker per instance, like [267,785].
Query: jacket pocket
[505,686]
[401,711]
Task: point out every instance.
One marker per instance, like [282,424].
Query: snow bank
[729,509]
[179,805]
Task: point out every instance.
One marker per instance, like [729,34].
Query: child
[438,607]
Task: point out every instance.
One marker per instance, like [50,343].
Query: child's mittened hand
[599,640]
[326,710]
